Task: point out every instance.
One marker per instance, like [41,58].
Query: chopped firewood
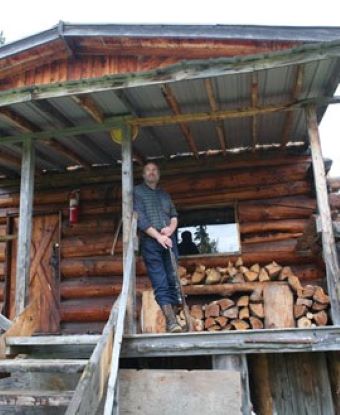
[239,262]
[213,276]
[221,321]
[256,295]
[255,323]
[181,322]
[243,269]
[227,327]
[232,271]
[310,316]
[285,273]
[263,276]
[182,314]
[209,322]
[181,271]
[225,278]
[197,312]
[320,318]
[244,313]
[230,264]
[299,310]
[184,281]
[307,291]
[239,324]
[320,296]
[198,277]
[212,310]
[198,324]
[273,270]
[250,276]
[304,323]
[304,301]
[200,268]
[295,284]
[215,327]
[231,312]
[318,307]
[243,301]
[238,278]
[255,268]
[226,303]
[256,310]
[222,271]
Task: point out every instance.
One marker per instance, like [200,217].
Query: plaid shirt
[154,207]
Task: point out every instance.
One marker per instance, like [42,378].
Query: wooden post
[328,241]
[127,210]
[25,225]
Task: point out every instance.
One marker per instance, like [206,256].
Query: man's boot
[171,323]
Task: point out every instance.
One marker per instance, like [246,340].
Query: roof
[244,103]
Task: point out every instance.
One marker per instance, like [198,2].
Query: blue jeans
[158,264]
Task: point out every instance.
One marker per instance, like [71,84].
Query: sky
[19,19]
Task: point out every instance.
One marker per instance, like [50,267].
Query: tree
[2,38]
[205,245]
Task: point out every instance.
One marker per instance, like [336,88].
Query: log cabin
[231,115]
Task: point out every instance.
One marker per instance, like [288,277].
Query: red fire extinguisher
[74,207]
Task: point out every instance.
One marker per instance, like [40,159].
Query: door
[44,272]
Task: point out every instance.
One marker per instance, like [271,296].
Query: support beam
[254,103]
[220,131]
[25,225]
[127,211]
[175,108]
[328,242]
[295,95]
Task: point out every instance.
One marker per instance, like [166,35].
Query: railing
[104,361]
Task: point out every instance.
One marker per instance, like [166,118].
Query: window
[208,231]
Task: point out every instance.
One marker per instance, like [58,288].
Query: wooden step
[19,398]
[43,365]
[76,346]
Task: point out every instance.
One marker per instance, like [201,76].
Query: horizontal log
[89,245]
[299,201]
[87,225]
[232,179]
[252,193]
[270,238]
[262,212]
[285,225]
[226,289]
[84,311]
[287,245]
[333,183]
[101,266]
[82,327]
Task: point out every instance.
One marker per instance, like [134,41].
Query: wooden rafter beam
[175,108]
[254,103]
[26,126]
[142,122]
[220,131]
[295,96]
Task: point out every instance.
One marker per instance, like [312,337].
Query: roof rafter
[220,130]
[175,108]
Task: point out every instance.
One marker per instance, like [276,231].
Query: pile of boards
[307,305]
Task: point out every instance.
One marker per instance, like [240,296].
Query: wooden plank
[127,212]
[278,306]
[90,388]
[152,318]
[25,225]
[328,242]
[5,324]
[35,398]
[180,391]
[118,338]
[42,365]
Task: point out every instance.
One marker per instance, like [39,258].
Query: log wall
[273,207]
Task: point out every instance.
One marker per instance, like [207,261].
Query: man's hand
[165,241]
[167,231]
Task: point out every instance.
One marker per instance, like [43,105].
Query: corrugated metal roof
[275,87]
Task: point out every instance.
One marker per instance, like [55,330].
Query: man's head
[186,236]
[151,174]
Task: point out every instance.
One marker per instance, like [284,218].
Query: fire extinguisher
[74,207]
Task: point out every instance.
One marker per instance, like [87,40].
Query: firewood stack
[245,310]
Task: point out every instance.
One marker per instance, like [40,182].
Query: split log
[261,212]
[243,301]
[243,313]
[212,310]
[304,301]
[320,296]
[238,278]
[273,270]
[230,313]
[209,322]
[307,291]
[225,303]
[318,307]
[239,324]
[256,310]
[221,321]
[285,273]
[320,318]
[251,276]
[196,312]
[295,284]
[255,323]
[198,325]
[299,310]
[256,295]
[213,276]
[304,323]
[263,276]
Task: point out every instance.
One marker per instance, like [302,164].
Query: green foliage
[205,245]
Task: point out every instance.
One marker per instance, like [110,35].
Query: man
[187,246]
[157,219]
